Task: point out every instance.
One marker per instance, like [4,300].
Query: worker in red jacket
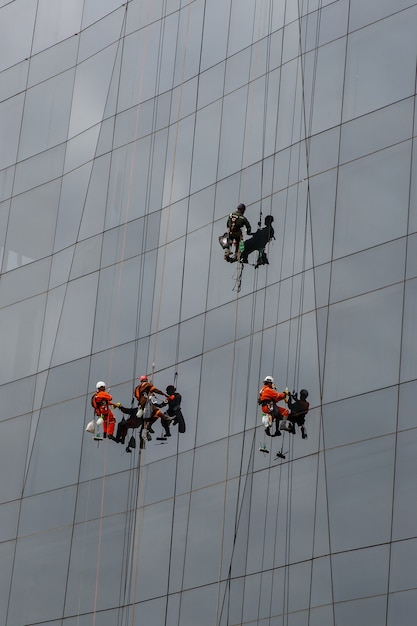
[268,399]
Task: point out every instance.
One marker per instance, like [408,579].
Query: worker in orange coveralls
[101,401]
[268,398]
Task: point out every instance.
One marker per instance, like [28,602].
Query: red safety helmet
[142,379]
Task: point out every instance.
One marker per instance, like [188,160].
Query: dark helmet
[170,390]
[304,393]
[241,207]
[268,220]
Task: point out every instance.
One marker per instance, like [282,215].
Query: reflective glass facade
[129,132]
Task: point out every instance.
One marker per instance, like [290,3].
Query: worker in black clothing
[299,408]
[133,421]
[258,242]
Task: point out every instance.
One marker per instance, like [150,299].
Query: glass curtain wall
[129,132]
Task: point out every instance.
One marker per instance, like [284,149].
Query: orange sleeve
[103,395]
[270,394]
[155,390]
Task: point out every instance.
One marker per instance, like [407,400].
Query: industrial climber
[136,414]
[174,410]
[101,401]
[268,399]
[299,408]
[258,242]
[233,236]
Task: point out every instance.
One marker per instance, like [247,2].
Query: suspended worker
[268,399]
[101,401]
[174,410]
[258,242]
[299,408]
[145,395]
[133,421]
[235,222]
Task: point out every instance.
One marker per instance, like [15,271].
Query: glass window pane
[10,120]
[46,553]
[47,511]
[405,501]
[66,382]
[360,483]
[9,519]
[237,71]
[408,352]
[13,446]
[361,612]
[7,556]
[380,65]
[368,188]
[365,13]
[20,336]
[53,61]
[377,130]
[206,146]
[401,608]
[205,471]
[198,602]
[24,282]
[101,34]
[403,569]
[16,41]
[14,80]
[360,573]
[36,209]
[92,85]
[350,420]
[93,541]
[210,85]
[76,320]
[232,133]
[87,256]
[205,521]
[325,94]
[241,26]
[194,293]
[39,169]
[46,115]
[406,403]
[56,21]
[367,271]
[211,424]
[324,151]
[70,427]
[9,393]
[353,340]
[322,202]
[93,11]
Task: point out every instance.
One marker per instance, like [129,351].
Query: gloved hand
[117,405]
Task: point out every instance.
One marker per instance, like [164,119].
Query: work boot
[267,431]
[277,433]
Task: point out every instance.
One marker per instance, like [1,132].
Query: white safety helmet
[269,379]
[100,384]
